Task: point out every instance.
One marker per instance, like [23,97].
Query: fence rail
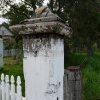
[8,89]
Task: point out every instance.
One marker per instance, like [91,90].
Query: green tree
[16,14]
[30,4]
[82,17]
[33,3]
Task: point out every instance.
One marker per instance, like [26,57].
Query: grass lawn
[90,73]
[11,68]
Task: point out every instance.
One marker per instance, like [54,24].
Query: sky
[5,20]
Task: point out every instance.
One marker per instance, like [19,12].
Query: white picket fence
[8,89]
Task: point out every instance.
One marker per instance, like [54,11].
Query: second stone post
[72,83]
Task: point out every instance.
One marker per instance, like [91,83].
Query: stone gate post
[43,46]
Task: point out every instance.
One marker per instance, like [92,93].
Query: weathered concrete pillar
[43,47]
[1,53]
[72,84]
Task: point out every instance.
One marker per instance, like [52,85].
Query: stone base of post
[72,84]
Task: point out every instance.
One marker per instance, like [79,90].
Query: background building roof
[5,32]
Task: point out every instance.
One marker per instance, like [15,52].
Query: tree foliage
[16,14]
[82,17]
[32,4]
[21,11]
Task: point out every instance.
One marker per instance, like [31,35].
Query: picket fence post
[12,88]
[7,88]
[19,92]
[2,87]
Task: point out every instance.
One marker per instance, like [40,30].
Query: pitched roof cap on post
[44,21]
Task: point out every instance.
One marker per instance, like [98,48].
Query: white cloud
[45,2]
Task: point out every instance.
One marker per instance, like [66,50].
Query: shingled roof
[5,32]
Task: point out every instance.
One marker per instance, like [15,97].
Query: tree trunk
[17,52]
[17,56]
[90,50]
[51,4]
